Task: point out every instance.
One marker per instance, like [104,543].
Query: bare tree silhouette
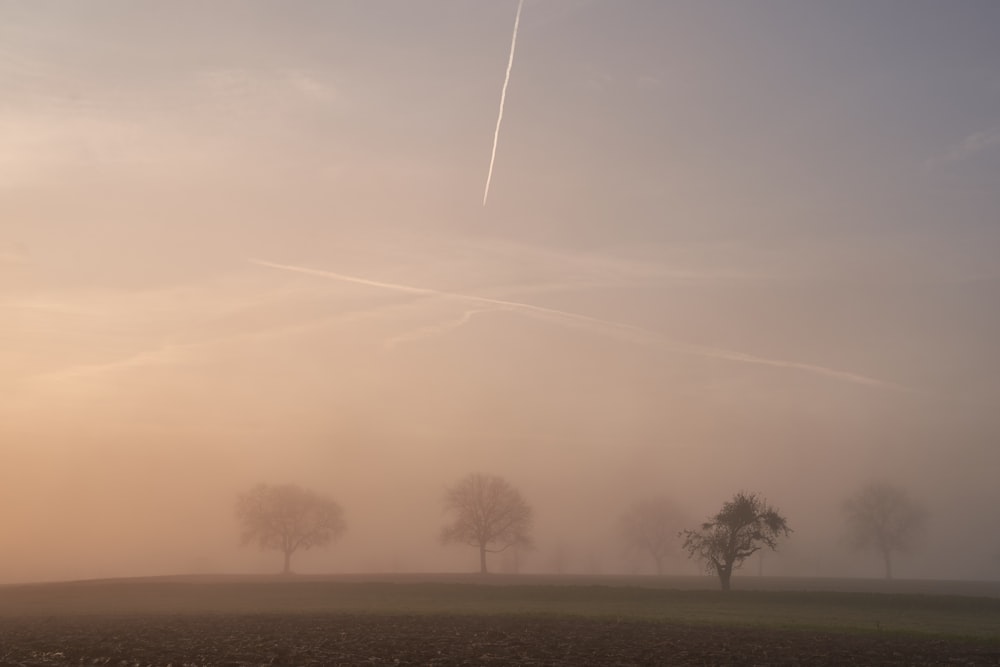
[650,526]
[487,513]
[288,518]
[883,517]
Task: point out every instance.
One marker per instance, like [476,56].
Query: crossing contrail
[503,96]
[630,331]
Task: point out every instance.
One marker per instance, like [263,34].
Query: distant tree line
[489,514]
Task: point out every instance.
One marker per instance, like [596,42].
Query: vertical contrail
[503,96]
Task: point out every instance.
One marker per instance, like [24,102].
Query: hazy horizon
[726,246]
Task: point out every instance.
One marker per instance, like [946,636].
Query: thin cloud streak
[969,147]
[439,329]
[164,355]
[173,353]
[527,307]
[503,97]
[603,326]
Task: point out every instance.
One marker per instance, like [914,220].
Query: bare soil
[431,639]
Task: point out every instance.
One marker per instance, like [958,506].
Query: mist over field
[726,247]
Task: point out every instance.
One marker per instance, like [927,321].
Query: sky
[727,246]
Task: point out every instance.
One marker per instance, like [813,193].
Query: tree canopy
[741,528]
[884,517]
[650,525]
[287,518]
[487,513]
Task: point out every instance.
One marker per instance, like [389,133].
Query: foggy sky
[727,246]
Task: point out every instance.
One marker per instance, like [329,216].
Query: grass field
[901,608]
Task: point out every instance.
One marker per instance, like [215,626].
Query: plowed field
[434,639]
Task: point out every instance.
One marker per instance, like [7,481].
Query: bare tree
[650,526]
[489,514]
[287,518]
[742,527]
[883,517]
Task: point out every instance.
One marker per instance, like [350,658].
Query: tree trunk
[659,564]
[888,564]
[482,560]
[725,574]
[288,563]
